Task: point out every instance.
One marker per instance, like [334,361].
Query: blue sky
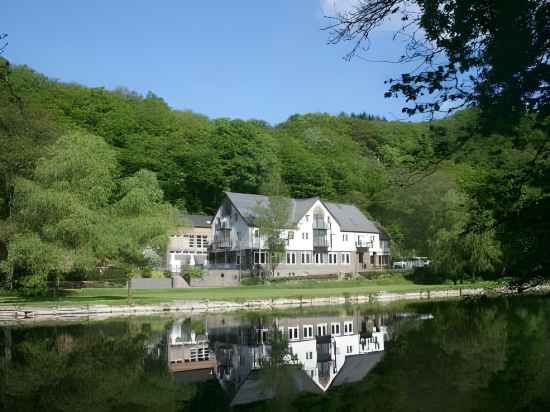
[241,59]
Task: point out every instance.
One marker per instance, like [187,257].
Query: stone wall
[151,283]
[156,283]
[217,278]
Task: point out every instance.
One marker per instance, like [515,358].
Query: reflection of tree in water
[279,372]
[86,369]
[478,355]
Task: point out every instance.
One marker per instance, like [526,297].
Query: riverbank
[105,303]
[97,311]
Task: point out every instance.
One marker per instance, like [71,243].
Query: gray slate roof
[349,217]
[247,203]
[198,220]
[356,367]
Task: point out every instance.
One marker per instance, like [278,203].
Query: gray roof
[356,367]
[198,220]
[246,204]
[255,388]
[349,217]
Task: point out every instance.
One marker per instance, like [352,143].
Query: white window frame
[293,333]
[307,331]
[348,327]
[321,329]
[335,328]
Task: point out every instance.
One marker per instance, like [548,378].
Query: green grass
[289,289]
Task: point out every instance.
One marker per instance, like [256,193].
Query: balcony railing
[320,242]
[363,244]
[319,225]
[222,239]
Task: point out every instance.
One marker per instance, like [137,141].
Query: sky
[249,59]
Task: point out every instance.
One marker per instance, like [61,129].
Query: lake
[477,354]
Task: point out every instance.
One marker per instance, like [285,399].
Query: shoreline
[30,313]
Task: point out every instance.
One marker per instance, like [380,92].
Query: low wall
[176,282]
[217,278]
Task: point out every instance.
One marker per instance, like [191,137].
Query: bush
[252,281]
[426,275]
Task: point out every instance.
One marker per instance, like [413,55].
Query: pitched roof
[198,220]
[246,204]
[349,217]
[356,367]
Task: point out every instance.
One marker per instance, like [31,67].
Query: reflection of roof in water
[356,367]
[255,388]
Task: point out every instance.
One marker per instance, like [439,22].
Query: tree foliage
[76,214]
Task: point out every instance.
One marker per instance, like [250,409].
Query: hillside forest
[81,165]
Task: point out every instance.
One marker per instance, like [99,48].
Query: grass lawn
[288,289]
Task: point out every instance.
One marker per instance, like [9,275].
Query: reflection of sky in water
[329,351]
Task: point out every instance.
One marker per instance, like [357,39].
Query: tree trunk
[129,290]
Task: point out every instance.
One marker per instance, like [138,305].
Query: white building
[188,245]
[321,238]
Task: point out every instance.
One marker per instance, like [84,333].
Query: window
[348,328]
[335,328]
[308,258]
[290,234]
[308,331]
[322,329]
[238,259]
[199,241]
[191,240]
[372,259]
[259,257]
[293,333]
[307,218]
[305,235]
[290,258]
[349,349]
[318,258]
[345,258]
[332,258]
[256,233]
[309,355]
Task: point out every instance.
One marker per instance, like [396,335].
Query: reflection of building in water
[331,350]
[189,356]
[325,345]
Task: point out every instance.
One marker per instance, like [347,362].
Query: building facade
[321,238]
[188,245]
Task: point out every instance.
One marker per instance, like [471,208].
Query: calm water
[473,355]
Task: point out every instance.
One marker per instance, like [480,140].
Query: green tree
[79,215]
[273,221]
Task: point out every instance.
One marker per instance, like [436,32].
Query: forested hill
[347,158]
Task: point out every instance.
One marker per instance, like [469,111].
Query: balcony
[222,239]
[363,245]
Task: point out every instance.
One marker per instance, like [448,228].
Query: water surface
[470,355]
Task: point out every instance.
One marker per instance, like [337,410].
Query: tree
[77,214]
[462,49]
[273,220]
